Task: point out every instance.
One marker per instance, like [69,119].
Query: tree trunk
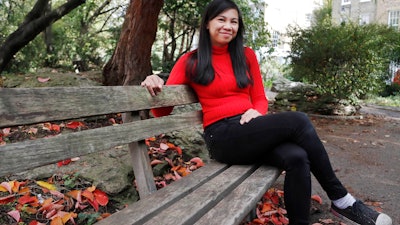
[35,22]
[131,60]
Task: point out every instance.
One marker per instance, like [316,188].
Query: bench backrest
[24,106]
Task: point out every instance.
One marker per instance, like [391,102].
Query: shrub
[344,61]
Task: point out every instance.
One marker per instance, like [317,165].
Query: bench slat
[238,204]
[20,106]
[139,212]
[197,203]
[18,157]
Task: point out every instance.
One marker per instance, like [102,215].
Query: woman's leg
[233,143]
[262,137]
[297,186]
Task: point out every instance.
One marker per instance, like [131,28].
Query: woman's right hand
[153,83]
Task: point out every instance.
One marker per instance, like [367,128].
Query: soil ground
[365,154]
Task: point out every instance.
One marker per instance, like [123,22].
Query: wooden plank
[20,106]
[238,204]
[25,155]
[196,204]
[140,161]
[151,205]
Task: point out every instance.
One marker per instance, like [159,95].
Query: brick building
[367,11]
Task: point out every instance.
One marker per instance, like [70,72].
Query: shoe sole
[340,216]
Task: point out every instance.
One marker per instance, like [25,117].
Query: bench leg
[141,163]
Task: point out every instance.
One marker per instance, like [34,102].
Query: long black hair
[199,68]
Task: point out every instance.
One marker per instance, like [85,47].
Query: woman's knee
[293,156]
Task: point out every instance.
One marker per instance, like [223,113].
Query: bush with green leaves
[344,61]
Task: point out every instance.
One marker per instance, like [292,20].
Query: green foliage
[88,33]
[323,14]
[391,90]
[345,62]
[257,35]
[179,21]
[88,218]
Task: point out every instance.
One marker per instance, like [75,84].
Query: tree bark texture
[131,60]
[35,22]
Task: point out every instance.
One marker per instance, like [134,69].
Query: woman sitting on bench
[237,129]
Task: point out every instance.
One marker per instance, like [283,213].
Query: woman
[226,77]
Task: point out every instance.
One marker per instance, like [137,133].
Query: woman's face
[224,27]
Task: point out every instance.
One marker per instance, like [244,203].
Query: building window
[364,19]
[275,38]
[393,20]
[346,2]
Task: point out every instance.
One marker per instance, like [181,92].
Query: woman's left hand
[249,115]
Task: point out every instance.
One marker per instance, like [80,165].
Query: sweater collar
[220,50]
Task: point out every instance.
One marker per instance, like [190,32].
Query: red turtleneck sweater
[222,98]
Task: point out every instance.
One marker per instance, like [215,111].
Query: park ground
[365,154]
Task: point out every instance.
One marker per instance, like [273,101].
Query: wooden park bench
[214,194]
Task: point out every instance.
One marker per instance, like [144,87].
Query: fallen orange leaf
[7,186]
[91,189]
[267,207]
[56,221]
[74,194]
[87,194]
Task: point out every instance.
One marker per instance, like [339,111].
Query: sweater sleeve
[257,92]
[177,76]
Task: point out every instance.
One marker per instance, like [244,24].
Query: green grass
[392,101]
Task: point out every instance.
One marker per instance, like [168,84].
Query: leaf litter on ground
[67,199]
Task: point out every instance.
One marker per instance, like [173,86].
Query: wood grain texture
[139,212]
[214,194]
[25,155]
[187,210]
[238,204]
[34,105]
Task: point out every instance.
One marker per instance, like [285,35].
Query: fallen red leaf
[6,132]
[94,204]
[64,162]
[56,128]
[27,199]
[197,161]
[75,124]
[275,220]
[100,197]
[317,198]
[7,199]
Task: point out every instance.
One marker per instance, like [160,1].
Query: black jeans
[286,140]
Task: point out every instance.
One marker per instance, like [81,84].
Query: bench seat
[214,194]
